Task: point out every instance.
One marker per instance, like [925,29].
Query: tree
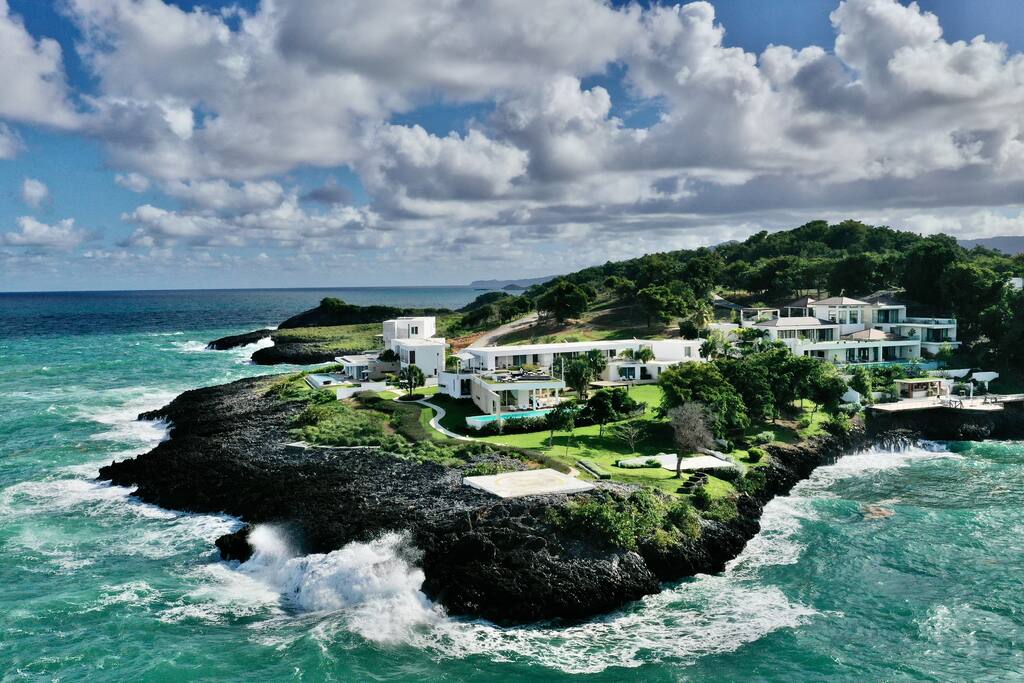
[690,430]
[512,307]
[862,382]
[644,354]
[478,316]
[968,290]
[622,287]
[704,383]
[601,407]
[410,378]
[578,374]
[562,418]
[659,303]
[925,267]
[562,301]
[751,378]
[825,387]
[629,432]
[597,360]
[388,356]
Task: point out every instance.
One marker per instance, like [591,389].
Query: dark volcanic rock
[296,353]
[501,559]
[483,556]
[236,340]
[951,424]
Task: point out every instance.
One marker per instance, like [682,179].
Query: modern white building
[846,330]
[412,339]
[501,379]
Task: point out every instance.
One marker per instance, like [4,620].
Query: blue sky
[202,144]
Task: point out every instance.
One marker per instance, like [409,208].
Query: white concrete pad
[527,483]
[668,462]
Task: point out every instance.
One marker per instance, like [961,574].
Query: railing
[928,321]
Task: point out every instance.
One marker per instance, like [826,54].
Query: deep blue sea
[884,566]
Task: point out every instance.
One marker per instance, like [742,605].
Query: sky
[288,143]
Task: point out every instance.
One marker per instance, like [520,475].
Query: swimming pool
[478,421]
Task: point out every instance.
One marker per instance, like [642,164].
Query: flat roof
[524,349]
[841,301]
[432,341]
[796,321]
[527,483]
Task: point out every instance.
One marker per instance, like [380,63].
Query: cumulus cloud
[62,236]
[893,120]
[32,84]
[34,192]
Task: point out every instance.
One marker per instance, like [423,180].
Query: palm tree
[410,377]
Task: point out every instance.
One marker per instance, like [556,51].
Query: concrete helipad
[527,483]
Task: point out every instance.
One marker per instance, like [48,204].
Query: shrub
[762,438]
[722,510]
[701,498]
[756,454]
[410,397]
[642,517]
[753,482]
[838,425]
[804,422]
[649,463]
[483,469]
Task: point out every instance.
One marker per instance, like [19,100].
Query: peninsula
[679,391]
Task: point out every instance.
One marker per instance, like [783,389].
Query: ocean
[884,566]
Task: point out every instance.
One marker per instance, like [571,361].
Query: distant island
[521,283]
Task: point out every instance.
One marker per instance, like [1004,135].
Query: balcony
[945,322]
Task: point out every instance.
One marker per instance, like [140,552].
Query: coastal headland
[505,560]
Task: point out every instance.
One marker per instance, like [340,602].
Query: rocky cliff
[506,560]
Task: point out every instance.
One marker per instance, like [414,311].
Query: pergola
[921,387]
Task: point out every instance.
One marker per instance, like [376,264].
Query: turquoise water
[884,566]
[480,419]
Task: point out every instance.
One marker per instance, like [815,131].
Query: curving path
[435,421]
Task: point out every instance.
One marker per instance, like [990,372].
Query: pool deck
[540,482]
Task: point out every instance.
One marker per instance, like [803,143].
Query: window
[414,330]
[611,353]
[688,352]
[854,315]
[519,360]
[628,373]
[412,356]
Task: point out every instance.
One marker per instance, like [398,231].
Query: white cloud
[34,192]
[62,235]
[893,120]
[10,143]
[32,84]
[135,182]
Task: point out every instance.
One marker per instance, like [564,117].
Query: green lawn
[339,337]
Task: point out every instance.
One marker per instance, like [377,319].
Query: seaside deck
[979,403]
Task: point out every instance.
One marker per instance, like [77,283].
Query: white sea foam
[119,409]
[375,586]
[189,346]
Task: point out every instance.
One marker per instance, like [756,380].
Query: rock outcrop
[505,560]
[236,340]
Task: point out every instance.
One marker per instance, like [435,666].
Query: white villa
[501,379]
[412,338]
[845,330]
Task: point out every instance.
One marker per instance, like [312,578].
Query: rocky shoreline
[504,560]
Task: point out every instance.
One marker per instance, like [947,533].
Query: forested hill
[935,273]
